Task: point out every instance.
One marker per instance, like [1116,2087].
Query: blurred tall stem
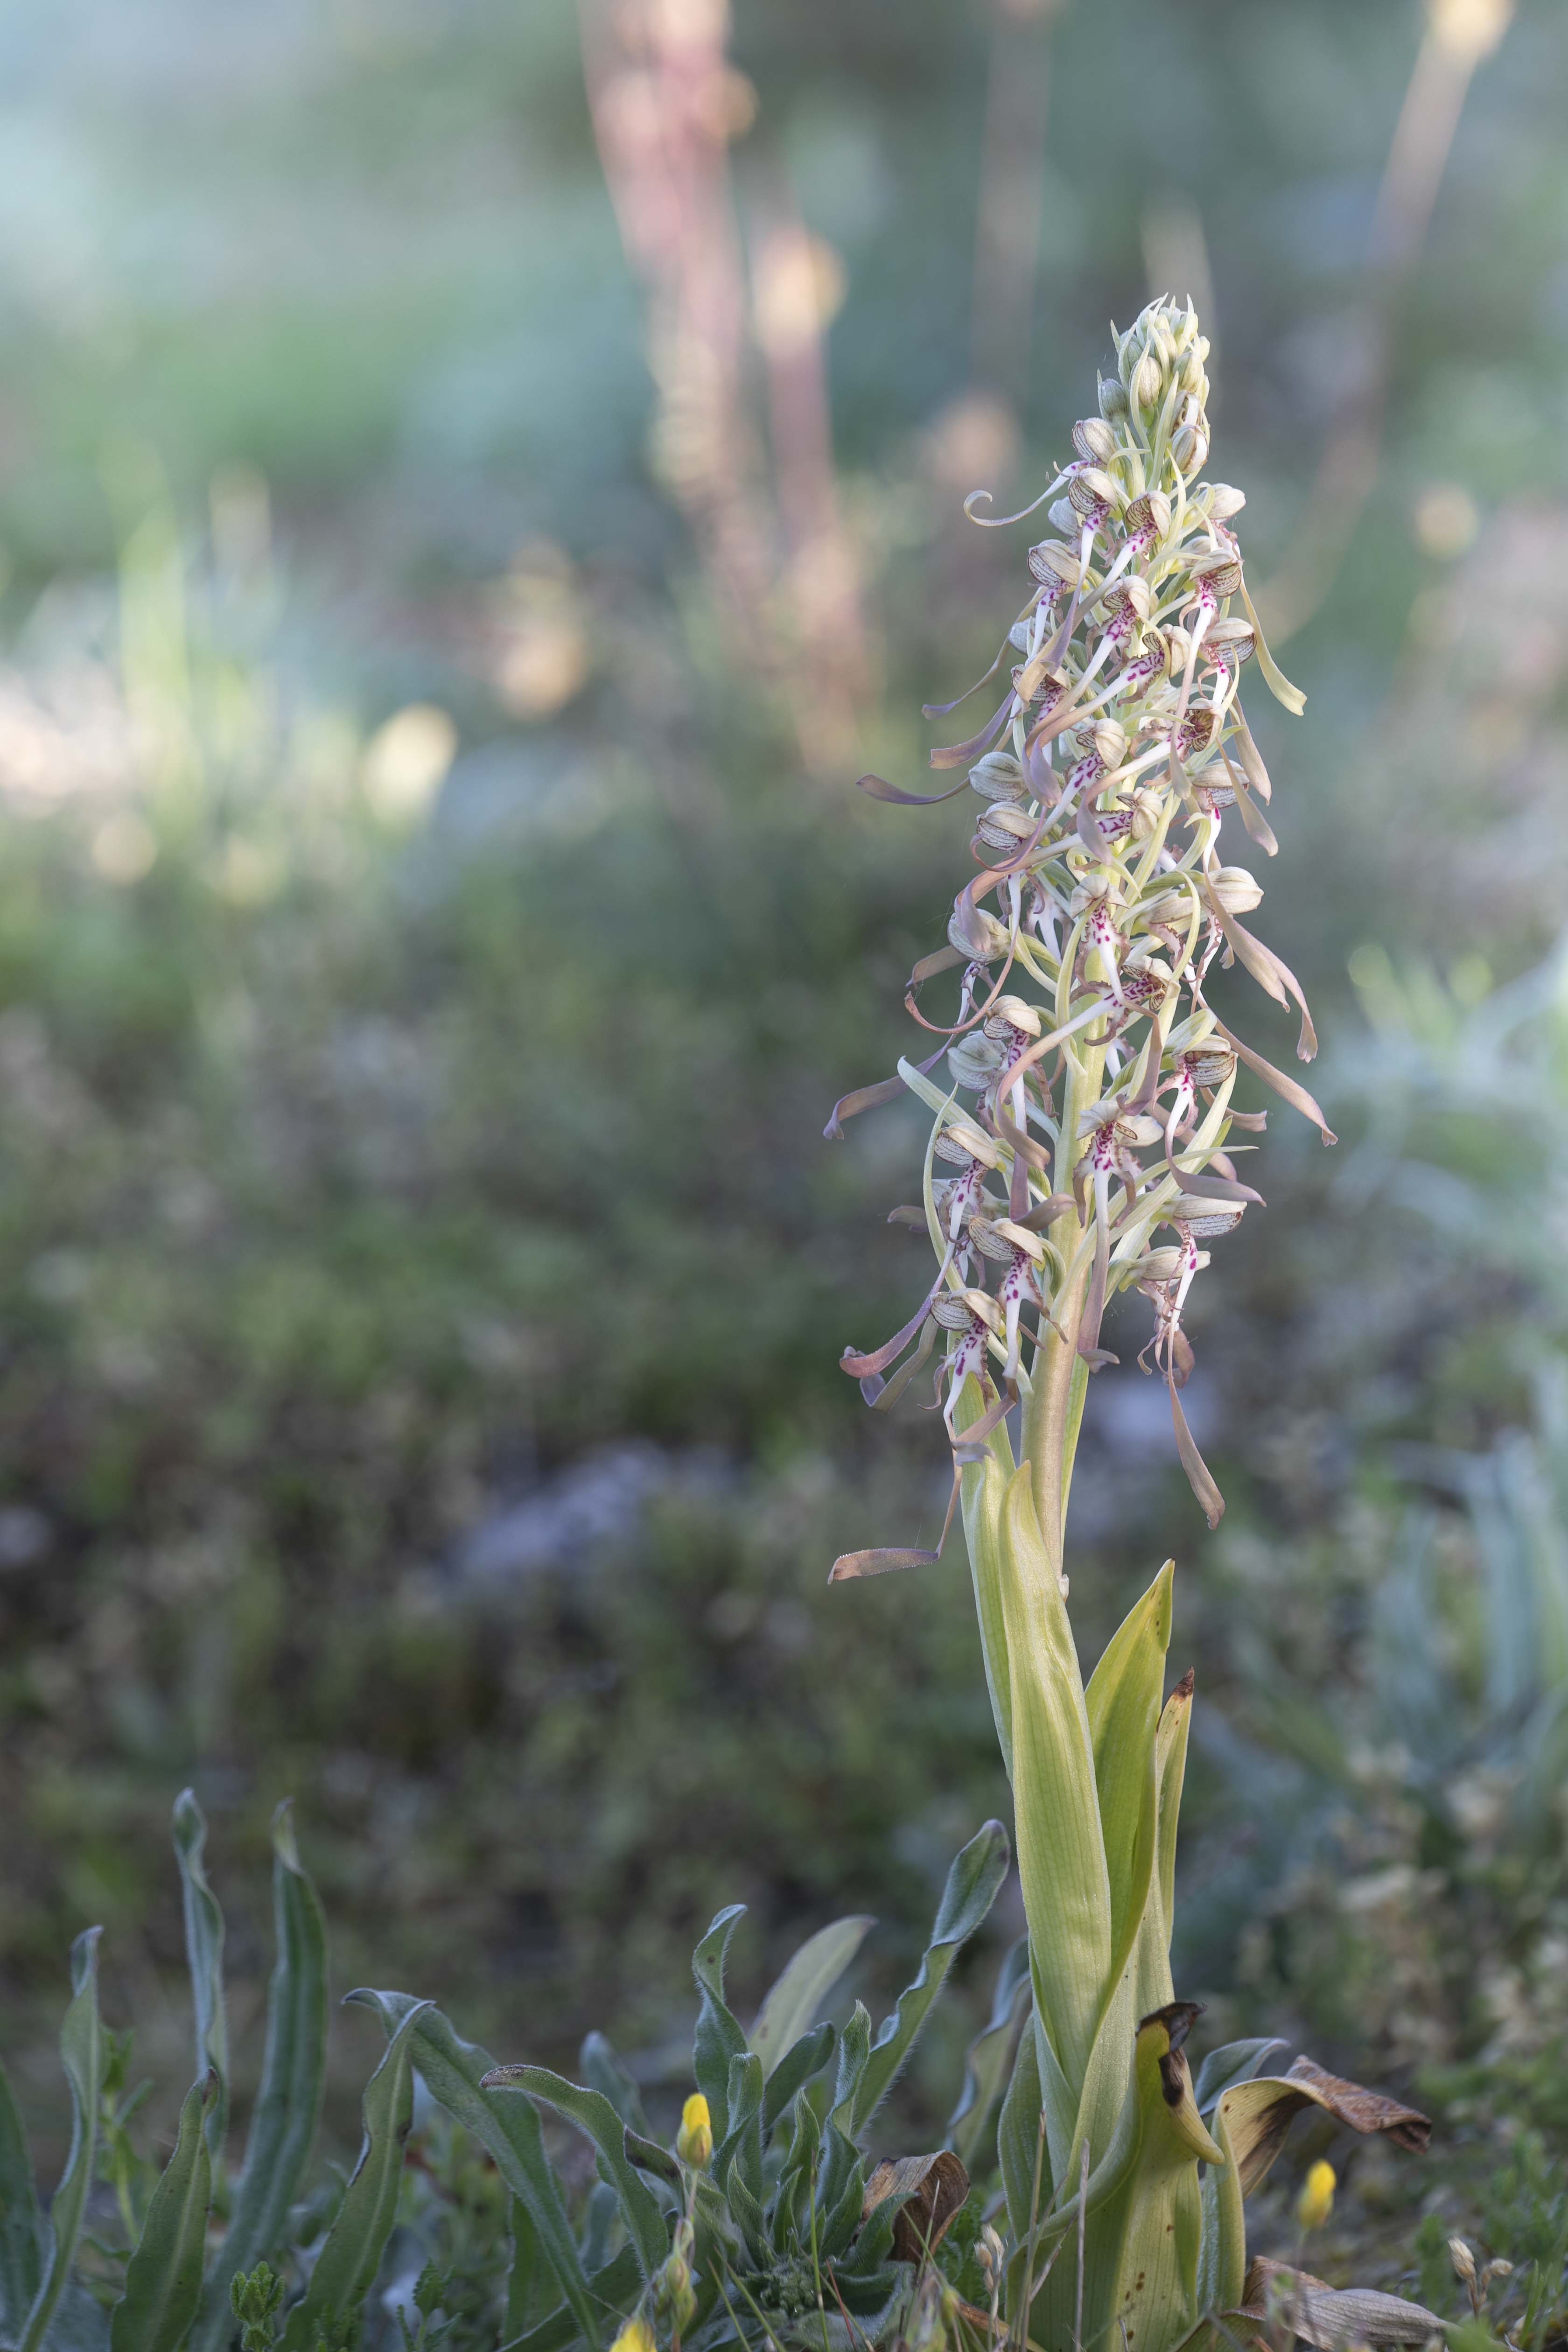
[1459,34]
[1011,202]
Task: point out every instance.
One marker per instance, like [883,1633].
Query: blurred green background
[435,918]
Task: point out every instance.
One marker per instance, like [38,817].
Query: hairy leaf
[973,1885]
[793,2001]
[204,1958]
[163,2279]
[81,2055]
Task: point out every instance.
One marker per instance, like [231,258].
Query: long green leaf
[1122,1702]
[288,2104]
[808,2057]
[973,1885]
[603,2070]
[81,2055]
[983,1488]
[21,2260]
[1061,1847]
[795,1999]
[164,2280]
[349,2259]
[593,2113]
[453,2071]
[990,2060]
[718,2037]
[204,1958]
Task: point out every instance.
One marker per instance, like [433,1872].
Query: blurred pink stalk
[666,103]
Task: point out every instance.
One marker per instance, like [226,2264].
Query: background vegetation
[429,946]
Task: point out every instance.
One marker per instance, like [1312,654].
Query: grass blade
[164,2281]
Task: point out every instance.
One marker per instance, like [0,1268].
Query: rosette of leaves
[785,2234]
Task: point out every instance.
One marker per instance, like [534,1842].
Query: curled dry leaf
[1328,2317]
[1255,2117]
[934,2188]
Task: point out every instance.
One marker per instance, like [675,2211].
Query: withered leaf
[932,2187]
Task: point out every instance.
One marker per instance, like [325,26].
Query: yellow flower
[1316,2201]
[636,2335]
[694,2143]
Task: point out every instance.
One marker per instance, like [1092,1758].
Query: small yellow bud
[694,2146]
[636,2335]
[1316,2201]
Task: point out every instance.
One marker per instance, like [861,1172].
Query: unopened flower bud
[1148,383]
[1237,891]
[991,2254]
[997,777]
[1094,439]
[1464,2261]
[1054,564]
[1012,1013]
[1168,1264]
[1063,516]
[960,1144]
[1091,489]
[1209,1218]
[1316,2201]
[636,2335]
[1224,501]
[974,1061]
[976,934]
[1112,399]
[1006,825]
[1190,447]
[694,2141]
[673,2299]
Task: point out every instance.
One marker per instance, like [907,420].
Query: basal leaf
[452,2071]
[973,1885]
[592,2113]
[346,2267]
[21,2259]
[81,2055]
[289,2102]
[204,1958]
[795,1999]
[163,2278]
[718,2037]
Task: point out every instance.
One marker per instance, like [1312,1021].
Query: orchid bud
[1233,641]
[1464,2261]
[1062,515]
[974,1061]
[1237,891]
[1093,439]
[1055,564]
[1006,825]
[1147,386]
[1011,1013]
[1205,1216]
[1106,739]
[1223,501]
[1189,447]
[1112,399]
[976,934]
[1166,1264]
[997,777]
[960,1144]
[1091,489]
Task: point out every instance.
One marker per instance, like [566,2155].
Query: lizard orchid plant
[1081,1145]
